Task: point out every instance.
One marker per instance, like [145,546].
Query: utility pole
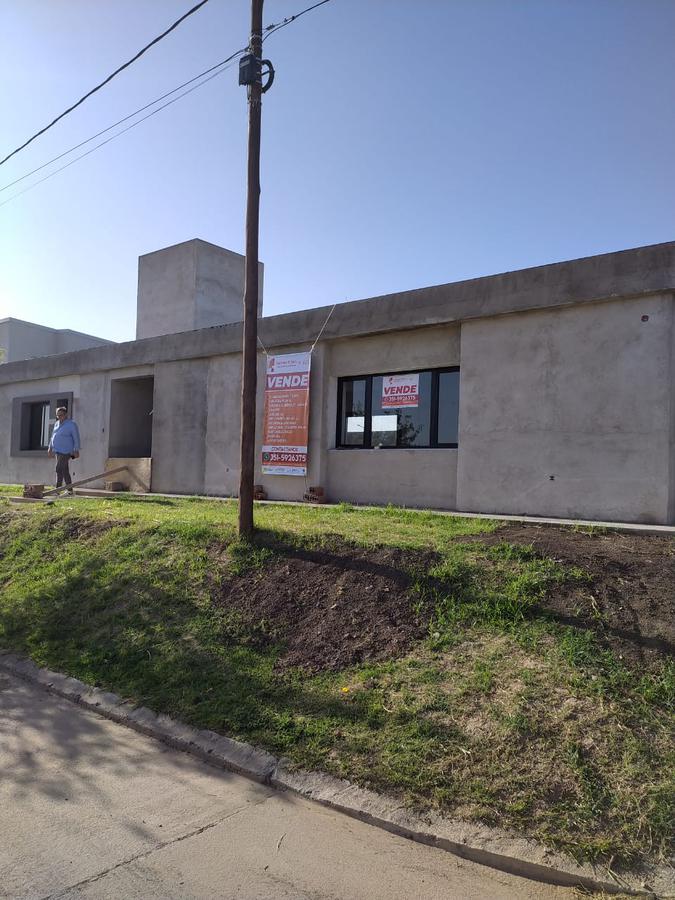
[250,75]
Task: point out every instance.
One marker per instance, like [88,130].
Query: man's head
[61,413]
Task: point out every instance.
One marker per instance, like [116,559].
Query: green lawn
[498,715]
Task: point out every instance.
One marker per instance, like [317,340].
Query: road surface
[91,809]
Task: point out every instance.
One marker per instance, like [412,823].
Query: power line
[112,137]
[270,29]
[120,122]
[106,80]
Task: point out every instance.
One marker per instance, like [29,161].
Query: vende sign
[286,418]
[400,390]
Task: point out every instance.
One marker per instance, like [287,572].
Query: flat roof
[626,273]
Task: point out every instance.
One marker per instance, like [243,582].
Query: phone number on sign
[268,458]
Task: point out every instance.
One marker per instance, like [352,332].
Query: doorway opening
[131,401]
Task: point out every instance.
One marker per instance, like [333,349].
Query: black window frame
[368,414]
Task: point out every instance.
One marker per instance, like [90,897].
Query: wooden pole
[250,350]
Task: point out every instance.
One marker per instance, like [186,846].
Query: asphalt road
[90,809]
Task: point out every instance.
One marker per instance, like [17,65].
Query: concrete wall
[221,476]
[219,286]
[25,340]
[179,427]
[567,412]
[671,455]
[406,477]
[32,467]
[197,415]
[640,272]
[4,341]
[567,394]
[190,286]
[68,341]
[414,477]
[91,410]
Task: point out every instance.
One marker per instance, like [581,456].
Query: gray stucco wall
[67,341]
[567,412]
[31,467]
[190,286]
[422,477]
[4,341]
[197,414]
[646,270]
[671,455]
[91,410]
[221,475]
[26,340]
[179,427]
[567,397]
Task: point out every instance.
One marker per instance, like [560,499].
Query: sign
[286,418]
[400,390]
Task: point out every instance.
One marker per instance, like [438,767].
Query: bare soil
[333,608]
[342,605]
[630,600]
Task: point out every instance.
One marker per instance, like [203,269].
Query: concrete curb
[487,846]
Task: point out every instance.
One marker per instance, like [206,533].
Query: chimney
[191,285]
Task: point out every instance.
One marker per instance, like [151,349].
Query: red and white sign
[400,390]
[286,419]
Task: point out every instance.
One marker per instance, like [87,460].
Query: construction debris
[38,492]
[315,495]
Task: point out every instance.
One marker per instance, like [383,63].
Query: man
[65,445]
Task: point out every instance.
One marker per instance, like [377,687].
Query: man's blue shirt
[65,437]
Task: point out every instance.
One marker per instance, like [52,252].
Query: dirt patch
[630,599]
[333,608]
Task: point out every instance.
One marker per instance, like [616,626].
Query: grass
[500,715]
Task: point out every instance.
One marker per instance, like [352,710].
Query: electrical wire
[112,137]
[106,80]
[271,29]
[225,64]
[121,121]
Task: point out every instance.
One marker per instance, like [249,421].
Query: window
[400,409]
[33,420]
[39,431]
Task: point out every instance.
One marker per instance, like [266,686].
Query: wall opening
[130,433]
[33,421]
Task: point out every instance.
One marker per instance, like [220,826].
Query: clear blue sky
[405,143]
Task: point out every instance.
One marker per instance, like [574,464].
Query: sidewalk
[91,809]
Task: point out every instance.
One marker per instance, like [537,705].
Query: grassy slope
[500,715]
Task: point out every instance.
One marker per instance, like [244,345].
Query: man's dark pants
[62,470]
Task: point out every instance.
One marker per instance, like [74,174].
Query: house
[25,340]
[547,391]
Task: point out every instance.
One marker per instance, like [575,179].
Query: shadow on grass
[145,499]
[636,638]
[337,551]
[175,654]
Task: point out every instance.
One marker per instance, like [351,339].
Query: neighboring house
[25,340]
[548,391]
